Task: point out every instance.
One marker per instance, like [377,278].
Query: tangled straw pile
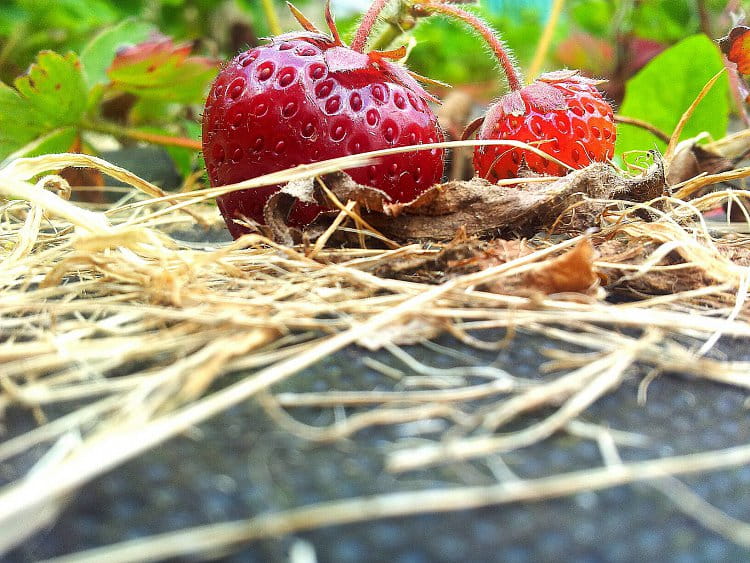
[125,331]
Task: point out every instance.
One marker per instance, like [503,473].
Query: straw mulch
[108,318]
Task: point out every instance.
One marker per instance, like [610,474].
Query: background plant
[96,101]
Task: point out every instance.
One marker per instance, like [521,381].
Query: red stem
[136,135]
[365,27]
[513,75]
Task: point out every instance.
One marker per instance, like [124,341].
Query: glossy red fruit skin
[280,105]
[577,128]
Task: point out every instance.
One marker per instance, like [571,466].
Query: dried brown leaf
[573,272]
[691,160]
[346,189]
[484,209]
[275,214]
[658,280]
[459,257]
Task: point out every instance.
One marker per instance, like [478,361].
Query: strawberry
[561,113]
[306,97]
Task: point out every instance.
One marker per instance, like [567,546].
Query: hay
[129,331]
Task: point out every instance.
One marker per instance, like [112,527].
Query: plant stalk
[543,46]
[403,21]
[271,17]
[145,136]
[365,27]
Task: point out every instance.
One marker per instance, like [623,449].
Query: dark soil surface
[239,464]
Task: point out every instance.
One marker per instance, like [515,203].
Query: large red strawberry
[306,97]
[562,114]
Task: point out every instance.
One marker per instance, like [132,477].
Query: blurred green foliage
[92,32]
[445,50]
[658,20]
[468,59]
[666,87]
[29,26]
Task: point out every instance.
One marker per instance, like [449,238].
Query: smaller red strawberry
[561,113]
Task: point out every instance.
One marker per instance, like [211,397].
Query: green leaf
[183,159]
[193,131]
[50,96]
[161,70]
[55,89]
[19,123]
[59,140]
[665,88]
[99,53]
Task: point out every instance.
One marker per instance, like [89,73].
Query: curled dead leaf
[573,272]
[346,189]
[691,160]
[572,203]
[459,257]
[276,216]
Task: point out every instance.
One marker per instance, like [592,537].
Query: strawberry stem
[365,27]
[512,74]
[399,22]
[390,33]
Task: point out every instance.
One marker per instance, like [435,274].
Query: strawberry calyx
[544,96]
[301,19]
[313,37]
[342,58]
[331,22]
[542,93]
[512,103]
[568,74]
